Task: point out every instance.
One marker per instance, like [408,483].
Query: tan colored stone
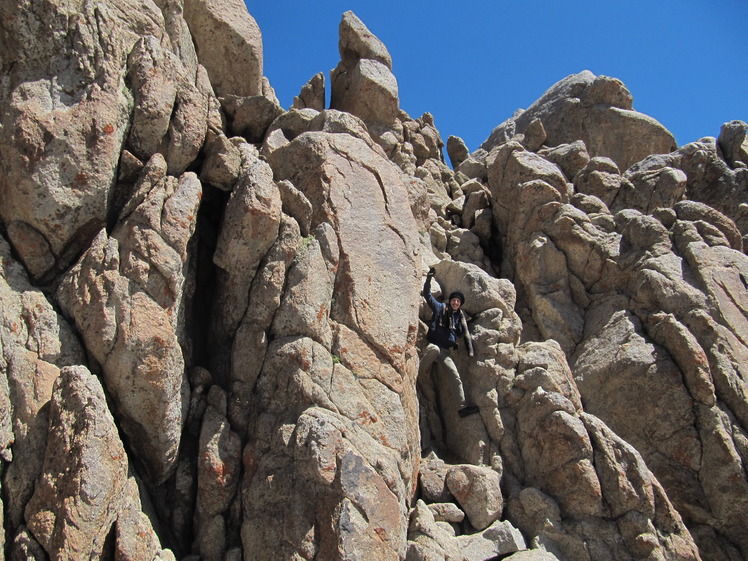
[367,193]
[499,539]
[249,229]
[457,150]
[594,109]
[647,191]
[367,90]
[478,492]
[250,340]
[126,297]
[222,164]
[35,343]
[226,28]
[571,158]
[709,179]
[85,470]
[733,143]
[357,42]
[312,94]
[170,113]
[250,116]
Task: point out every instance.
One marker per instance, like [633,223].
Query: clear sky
[472,64]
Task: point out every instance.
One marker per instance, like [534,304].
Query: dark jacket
[445,325]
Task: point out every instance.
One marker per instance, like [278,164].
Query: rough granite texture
[211,311]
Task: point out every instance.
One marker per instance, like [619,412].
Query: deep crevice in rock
[210,213]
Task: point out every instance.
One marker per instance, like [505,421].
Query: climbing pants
[433,353]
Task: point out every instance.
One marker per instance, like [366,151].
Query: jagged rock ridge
[211,310]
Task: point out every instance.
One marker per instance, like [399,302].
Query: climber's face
[455,304]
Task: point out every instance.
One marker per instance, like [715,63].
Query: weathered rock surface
[35,343]
[70,100]
[709,178]
[312,94]
[336,369]
[733,143]
[478,491]
[126,296]
[595,109]
[620,293]
[363,83]
[83,491]
[233,371]
[219,28]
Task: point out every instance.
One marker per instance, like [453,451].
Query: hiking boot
[467,410]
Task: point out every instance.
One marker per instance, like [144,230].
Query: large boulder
[478,492]
[84,493]
[363,83]
[357,42]
[335,368]
[595,109]
[219,28]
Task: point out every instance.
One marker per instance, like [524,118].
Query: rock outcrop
[598,110]
[211,311]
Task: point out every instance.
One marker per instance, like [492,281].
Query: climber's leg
[452,377]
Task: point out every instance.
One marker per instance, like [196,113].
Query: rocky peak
[211,318]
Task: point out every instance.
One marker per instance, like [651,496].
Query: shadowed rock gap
[211,210]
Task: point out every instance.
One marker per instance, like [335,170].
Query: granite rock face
[594,109]
[211,313]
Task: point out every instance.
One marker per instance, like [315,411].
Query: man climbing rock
[447,323]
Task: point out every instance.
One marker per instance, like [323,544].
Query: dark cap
[457,294]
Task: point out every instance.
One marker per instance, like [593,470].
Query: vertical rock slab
[179,33]
[312,94]
[85,471]
[84,502]
[126,297]
[220,28]
[35,343]
[250,227]
[251,339]
[218,479]
[329,464]
[358,192]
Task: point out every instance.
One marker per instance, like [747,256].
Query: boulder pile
[211,311]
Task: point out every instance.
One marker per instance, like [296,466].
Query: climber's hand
[431,272]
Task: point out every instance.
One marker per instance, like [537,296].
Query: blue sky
[472,64]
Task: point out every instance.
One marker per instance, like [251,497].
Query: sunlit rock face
[211,309]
